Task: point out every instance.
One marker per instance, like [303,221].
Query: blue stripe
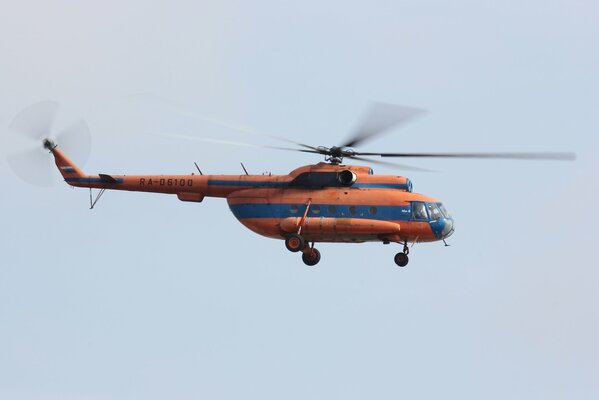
[217,182]
[380,186]
[92,180]
[383,213]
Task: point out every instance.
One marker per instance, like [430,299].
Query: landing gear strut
[402,259]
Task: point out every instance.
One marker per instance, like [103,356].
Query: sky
[147,297]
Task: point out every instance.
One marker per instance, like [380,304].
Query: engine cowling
[347,177]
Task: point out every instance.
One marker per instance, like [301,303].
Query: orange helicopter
[323,202]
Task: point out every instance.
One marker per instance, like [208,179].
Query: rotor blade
[33,166]
[225,142]
[294,142]
[312,151]
[35,121]
[380,118]
[75,141]
[563,156]
[192,114]
[393,165]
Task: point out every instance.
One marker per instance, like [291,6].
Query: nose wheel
[311,256]
[401,259]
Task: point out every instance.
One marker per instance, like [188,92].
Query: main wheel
[311,258]
[294,243]
[401,259]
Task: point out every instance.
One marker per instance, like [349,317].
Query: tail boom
[187,187]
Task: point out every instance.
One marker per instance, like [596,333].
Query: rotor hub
[49,144]
[336,152]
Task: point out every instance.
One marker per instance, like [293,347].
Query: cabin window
[293,209]
[315,209]
[372,210]
[353,210]
[419,210]
[332,210]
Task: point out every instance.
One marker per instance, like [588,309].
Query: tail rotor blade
[75,140]
[33,166]
[31,162]
[35,122]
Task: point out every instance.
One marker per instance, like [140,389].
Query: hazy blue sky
[146,297]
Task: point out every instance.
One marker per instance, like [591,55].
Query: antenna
[245,170]
[198,168]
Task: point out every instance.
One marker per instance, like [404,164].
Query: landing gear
[402,259]
[294,243]
[311,256]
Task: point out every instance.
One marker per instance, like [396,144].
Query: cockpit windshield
[444,210]
[429,211]
[434,211]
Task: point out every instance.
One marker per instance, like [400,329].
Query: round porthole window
[315,209]
[293,209]
[372,210]
[353,209]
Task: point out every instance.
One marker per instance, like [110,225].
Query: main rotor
[379,119]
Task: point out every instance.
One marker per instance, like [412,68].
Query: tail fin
[69,171]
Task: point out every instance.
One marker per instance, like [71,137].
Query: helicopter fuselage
[324,202]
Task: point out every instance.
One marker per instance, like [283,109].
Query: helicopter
[324,202]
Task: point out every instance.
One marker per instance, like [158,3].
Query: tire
[294,243]
[401,259]
[311,258]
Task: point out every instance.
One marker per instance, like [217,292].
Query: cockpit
[436,214]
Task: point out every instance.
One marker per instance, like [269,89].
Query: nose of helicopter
[443,227]
[448,227]
[441,221]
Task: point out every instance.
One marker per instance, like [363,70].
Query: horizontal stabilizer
[107,178]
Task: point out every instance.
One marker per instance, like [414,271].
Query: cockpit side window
[419,210]
[434,211]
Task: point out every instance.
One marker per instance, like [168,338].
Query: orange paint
[373,208]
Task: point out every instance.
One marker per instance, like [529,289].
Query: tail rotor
[33,137]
